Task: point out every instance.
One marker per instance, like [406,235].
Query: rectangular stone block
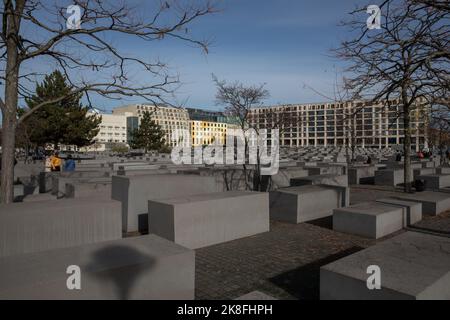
[390,177]
[144,268]
[369,219]
[424,171]
[355,174]
[413,209]
[87,190]
[59,183]
[414,266]
[325,179]
[304,203]
[33,227]
[435,181]
[443,170]
[433,203]
[204,220]
[135,191]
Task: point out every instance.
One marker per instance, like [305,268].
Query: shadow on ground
[304,282]
[326,222]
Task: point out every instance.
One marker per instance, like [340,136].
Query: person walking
[69,164]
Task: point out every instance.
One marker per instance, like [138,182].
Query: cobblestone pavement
[440,223]
[285,262]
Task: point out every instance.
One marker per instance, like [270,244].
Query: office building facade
[338,124]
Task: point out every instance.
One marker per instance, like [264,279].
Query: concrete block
[135,191]
[39,197]
[33,227]
[443,170]
[435,181]
[414,266]
[390,177]
[304,203]
[144,268]
[46,181]
[433,203]
[325,179]
[413,209]
[204,220]
[355,174]
[59,183]
[87,190]
[423,171]
[369,219]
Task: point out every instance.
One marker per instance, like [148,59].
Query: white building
[113,129]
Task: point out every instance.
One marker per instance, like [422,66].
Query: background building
[169,118]
[113,130]
[205,133]
[333,124]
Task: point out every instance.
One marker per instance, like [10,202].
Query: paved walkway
[285,262]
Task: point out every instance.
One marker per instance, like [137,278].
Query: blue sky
[284,44]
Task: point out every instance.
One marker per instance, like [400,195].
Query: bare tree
[238,100]
[35,33]
[439,130]
[404,62]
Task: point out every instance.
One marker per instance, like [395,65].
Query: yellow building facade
[206,133]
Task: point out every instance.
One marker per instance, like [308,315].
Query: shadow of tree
[304,282]
[124,278]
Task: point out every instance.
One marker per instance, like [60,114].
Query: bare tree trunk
[9,109]
[8,147]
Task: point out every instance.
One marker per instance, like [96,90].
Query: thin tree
[238,101]
[43,33]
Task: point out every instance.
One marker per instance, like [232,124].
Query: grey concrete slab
[444,170]
[356,173]
[88,190]
[325,179]
[59,183]
[433,203]
[423,171]
[39,197]
[32,227]
[369,219]
[435,181]
[145,268]
[304,203]
[204,220]
[135,191]
[414,266]
[390,177]
[413,209]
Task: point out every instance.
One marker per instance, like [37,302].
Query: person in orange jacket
[55,162]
